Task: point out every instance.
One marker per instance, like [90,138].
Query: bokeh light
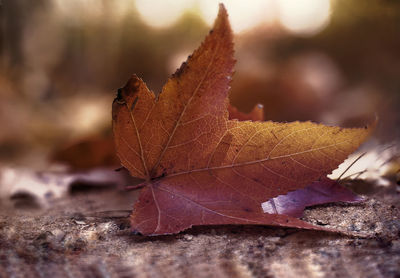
[161,13]
[242,14]
[75,11]
[306,17]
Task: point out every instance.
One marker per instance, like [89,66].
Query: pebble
[58,234]
[90,236]
[396,245]
[74,243]
[274,239]
[79,222]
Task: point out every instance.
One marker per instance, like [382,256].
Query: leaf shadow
[228,232]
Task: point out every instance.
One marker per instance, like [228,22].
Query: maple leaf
[201,168]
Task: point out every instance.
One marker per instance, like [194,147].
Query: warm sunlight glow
[78,9]
[161,14]
[122,7]
[242,14]
[304,16]
[84,119]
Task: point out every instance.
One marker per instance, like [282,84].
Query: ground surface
[86,234]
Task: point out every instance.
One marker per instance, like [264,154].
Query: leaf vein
[253,161]
[206,208]
[184,110]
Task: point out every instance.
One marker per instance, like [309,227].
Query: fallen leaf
[88,153]
[376,165]
[199,167]
[45,187]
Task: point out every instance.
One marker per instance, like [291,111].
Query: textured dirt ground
[86,234]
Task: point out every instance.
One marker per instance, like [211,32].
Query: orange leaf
[199,167]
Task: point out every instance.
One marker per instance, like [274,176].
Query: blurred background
[61,62]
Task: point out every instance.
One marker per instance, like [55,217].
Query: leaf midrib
[153,171]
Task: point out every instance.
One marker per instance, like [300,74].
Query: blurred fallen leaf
[88,153]
[373,165]
[45,187]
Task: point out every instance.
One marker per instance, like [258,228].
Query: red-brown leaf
[199,167]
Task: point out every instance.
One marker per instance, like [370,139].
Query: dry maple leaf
[199,167]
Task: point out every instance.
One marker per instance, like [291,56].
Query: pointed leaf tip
[222,21]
